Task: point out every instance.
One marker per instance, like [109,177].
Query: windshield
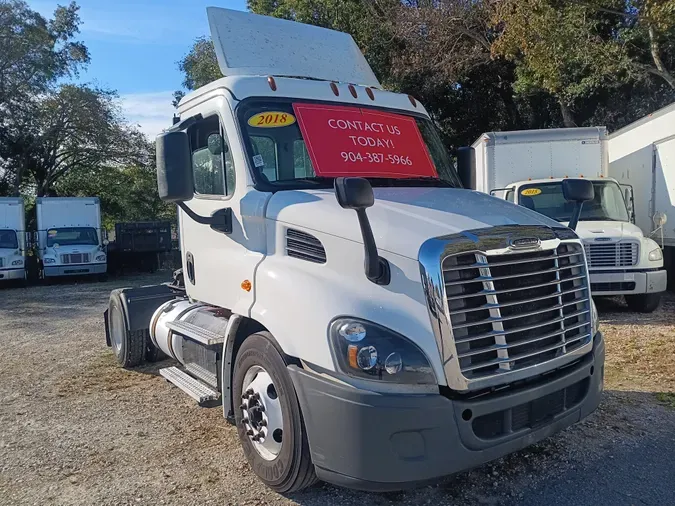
[301,145]
[8,239]
[547,199]
[72,236]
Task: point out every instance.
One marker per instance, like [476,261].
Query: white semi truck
[642,155]
[13,245]
[528,168]
[361,317]
[70,239]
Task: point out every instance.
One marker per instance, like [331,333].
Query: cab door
[217,262]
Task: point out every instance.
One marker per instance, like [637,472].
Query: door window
[212,163]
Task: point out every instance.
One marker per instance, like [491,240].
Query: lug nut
[249,391]
[263,423]
[244,397]
[261,408]
[249,432]
[243,406]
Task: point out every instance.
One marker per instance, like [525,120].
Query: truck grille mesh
[616,254]
[75,258]
[517,310]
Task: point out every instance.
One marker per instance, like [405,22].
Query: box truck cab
[361,317]
[13,245]
[70,239]
[529,167]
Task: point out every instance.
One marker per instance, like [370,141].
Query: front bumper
[9,274]
[373,441]
[74,269]
[627,282]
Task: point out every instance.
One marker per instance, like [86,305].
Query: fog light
[353,332]
[367,358]
[394,363]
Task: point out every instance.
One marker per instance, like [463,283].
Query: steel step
[198,334]
[191,386]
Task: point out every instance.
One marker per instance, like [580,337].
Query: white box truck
[70,239]
[528,168]
[361,317]
[13,245]
[642,155]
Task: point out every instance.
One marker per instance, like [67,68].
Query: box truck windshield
[72,236]
[294,145]
[548,199]
[8,239]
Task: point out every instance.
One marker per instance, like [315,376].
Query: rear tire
[643,303]
[152,353]
[129,347]
[291,469]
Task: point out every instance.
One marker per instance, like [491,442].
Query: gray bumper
[8,274]
[628,283]
[74,270]
[372,441]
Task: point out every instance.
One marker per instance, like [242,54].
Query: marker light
[352,90]
[370,94]
[334,87]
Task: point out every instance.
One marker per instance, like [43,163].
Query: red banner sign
[349,141]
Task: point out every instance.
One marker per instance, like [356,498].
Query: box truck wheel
[643,303]
[268,417]
[129,347]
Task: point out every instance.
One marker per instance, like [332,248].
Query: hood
[401,218]
[614,230]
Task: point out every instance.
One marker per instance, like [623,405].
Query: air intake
[304,246]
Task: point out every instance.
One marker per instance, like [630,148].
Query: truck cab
[360,316]
[71,241]
[528,168]
[13,244]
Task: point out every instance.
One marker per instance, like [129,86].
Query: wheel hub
[262,419]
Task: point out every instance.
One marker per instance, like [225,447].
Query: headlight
[50,260]
[655,255]
[17,262]
[366,350]
[595,320]
[100,258]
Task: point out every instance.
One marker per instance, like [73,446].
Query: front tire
[129,347]
[270,409]
[643,303]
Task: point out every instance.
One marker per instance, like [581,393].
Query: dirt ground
[77,430]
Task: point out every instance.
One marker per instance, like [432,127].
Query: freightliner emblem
[524,243]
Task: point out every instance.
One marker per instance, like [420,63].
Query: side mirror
[466,167]
[174,169]
[356,193]
[577,191]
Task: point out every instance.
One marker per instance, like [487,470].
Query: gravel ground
[78,430]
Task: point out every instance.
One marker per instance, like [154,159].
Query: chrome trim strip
[489,241]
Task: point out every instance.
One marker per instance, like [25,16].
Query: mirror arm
[220,221]
[376,267]
[574,220]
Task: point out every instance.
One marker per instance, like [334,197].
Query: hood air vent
[304,246]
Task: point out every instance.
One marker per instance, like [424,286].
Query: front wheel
[269,420]
[643,303]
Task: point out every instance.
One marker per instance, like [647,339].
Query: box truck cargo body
[642,155]
[528,167]
[70,238]
[13,246]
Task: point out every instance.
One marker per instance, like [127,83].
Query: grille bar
[75,258]
[618,254]
[304,246]
[516,310]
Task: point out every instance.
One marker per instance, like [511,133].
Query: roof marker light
[272,83]
[412,100]
[334,87]
[370,94]
[352,90]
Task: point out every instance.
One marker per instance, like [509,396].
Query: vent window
[304,246]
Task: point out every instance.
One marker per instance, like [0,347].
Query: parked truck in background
[361,317]
[70,239]
[528,168]
[642,155]
[13,244]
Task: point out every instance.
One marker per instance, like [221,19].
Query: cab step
[198,334]
[203,394]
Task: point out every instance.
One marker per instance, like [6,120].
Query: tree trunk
[656,56]
[568,117]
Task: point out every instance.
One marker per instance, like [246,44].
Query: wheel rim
[262,418]
[116,331]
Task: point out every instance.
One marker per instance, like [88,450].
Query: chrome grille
[614,254]
[75,258]
[513,311]
[304,246]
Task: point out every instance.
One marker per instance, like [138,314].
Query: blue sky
[134,47]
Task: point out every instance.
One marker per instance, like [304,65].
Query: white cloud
[152,112]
